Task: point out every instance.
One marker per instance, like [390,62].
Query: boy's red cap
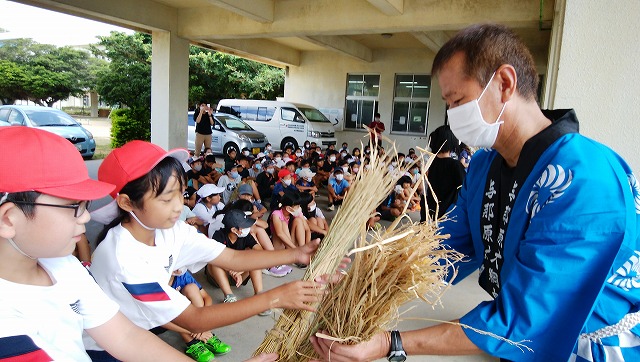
[134,160]
[52,166]
[283,173]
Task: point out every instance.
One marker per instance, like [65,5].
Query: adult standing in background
[203,116]
[377,127]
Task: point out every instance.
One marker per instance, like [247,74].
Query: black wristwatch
[396,352]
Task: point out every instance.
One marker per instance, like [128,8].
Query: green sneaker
[199,352]
[215,345]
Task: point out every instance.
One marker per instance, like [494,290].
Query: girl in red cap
[143,243]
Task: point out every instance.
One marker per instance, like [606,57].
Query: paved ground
[246,336]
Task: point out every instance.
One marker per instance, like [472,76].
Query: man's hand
[330,350]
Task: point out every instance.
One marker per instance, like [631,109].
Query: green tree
[12,86]
[47,73]
[126,80]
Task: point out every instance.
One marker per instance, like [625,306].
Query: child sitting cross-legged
[236,235]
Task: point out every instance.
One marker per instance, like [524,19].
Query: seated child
[207,207]
[305,182]
[338,188]
[315,219]
[236,235]
[285,183]
[288,228]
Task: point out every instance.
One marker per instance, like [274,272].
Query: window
[411,103]
[362,99]
[16,118]
[291,115]
[265,114]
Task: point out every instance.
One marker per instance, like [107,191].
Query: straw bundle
[394,268]
[375,267]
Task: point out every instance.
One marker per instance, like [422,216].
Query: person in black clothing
[445,174]
[230,158]
[266,180]
[203,116]
[235,235]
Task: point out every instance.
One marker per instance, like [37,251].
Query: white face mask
[198,168]
[298,154]
[268,148]
[339,177]
[345,169]
[269,170]
[355,170]
[295,213]
[243,233]
[287,182]
[246,153]
[470,127]
[312,207]
[332,159]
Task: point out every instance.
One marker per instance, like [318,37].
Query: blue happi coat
[570,259]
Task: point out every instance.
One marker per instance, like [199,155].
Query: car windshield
[50,118]
[233,123]
[314,115]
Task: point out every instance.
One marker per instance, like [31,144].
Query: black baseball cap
[237,219]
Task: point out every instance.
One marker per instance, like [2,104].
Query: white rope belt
[624,325]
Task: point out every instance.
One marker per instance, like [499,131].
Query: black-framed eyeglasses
[78,209]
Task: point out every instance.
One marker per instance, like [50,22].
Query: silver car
[229,132]
[52,120]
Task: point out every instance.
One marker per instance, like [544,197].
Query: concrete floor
[246,336]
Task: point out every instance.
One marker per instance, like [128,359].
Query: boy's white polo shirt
[136,276]
[51,319]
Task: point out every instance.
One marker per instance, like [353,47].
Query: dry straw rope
[396,265]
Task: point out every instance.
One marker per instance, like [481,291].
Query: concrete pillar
[594,52]
[93,102]
[169,90]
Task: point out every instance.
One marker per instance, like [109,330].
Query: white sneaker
[331,207]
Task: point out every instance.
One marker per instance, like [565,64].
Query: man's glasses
[78,209]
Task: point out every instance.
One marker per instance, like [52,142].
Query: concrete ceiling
[278,32]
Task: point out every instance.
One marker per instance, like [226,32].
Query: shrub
[128,124]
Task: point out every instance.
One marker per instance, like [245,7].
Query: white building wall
[598,74]
[321,81]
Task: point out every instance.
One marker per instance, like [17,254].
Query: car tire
[289,142]
[228,146]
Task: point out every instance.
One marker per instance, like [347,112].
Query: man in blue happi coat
[553,234]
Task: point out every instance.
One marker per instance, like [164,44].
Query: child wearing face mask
[229,181]
[289,229]
[338,188]
[315,218]
[207,207]
[236,235]
[285,182]
[265,181]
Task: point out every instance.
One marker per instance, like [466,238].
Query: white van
[284,124]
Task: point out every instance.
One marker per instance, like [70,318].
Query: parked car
[228,132]
[286,124]
[52,120]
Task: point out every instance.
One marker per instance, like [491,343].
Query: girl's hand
[297,295]
[237,276]
[303,253]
